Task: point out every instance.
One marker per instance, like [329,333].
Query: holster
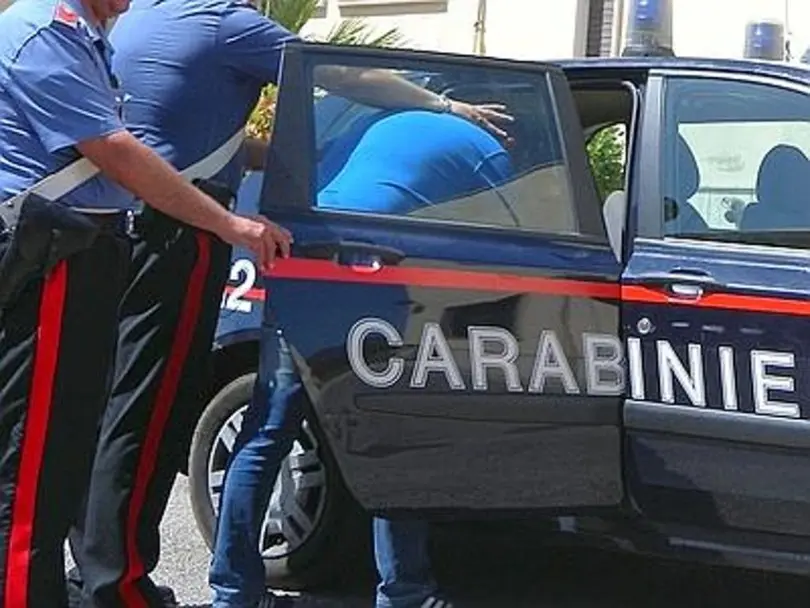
[46,233]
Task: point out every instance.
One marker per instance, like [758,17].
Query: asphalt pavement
[487,572]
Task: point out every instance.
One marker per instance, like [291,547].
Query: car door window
[426,165]
[736,162]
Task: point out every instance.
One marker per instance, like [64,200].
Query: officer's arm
[253,44]
[124,159]
[58,86]
[143,172]
[380,88]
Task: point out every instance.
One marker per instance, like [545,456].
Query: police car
[632,367]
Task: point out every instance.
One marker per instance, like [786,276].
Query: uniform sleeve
[251,43]
[61,89]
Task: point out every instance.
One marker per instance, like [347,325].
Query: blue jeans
[271,425]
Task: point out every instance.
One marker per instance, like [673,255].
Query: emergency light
[765,40]
[649,29]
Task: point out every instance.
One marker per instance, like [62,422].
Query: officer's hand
[485,115]
[264,238]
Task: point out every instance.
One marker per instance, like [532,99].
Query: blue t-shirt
[56,90]
[410,159]
[192,71]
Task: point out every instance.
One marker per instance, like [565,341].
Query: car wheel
[310,525]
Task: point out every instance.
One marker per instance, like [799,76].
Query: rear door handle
[356,254]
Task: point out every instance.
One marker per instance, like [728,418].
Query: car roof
[799,73]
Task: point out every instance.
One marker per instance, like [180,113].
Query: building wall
[523,29]
[546,29]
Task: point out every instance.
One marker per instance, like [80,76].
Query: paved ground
[485,575]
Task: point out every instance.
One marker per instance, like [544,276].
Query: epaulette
[66,15]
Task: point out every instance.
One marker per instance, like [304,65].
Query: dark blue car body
[702,448]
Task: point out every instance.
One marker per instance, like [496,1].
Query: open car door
[456,324]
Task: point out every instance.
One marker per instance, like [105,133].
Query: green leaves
[357,32]
[292,14]
[606,152]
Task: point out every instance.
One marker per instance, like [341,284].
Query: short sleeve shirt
[192,72]
[56,90]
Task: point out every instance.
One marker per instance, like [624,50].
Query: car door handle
[356,254]
[688,283]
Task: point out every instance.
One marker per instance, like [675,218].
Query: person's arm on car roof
[383,88]
[253,44]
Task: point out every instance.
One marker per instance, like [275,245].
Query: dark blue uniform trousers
[168,316]
[56,351]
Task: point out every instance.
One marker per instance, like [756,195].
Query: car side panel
[241,305]
[456,447]
[728,447]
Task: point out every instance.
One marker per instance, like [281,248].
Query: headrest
[784,178]
[688,175]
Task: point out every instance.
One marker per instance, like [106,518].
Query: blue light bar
[765,40]
[649,29]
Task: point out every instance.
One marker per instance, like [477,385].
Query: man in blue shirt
[59,102]
[192,71]
[393,172]
[379,166]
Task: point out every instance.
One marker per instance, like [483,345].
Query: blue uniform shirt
[192,71]
[56,90]
[411,159]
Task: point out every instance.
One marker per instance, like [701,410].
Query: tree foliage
[357,32]
[294,15]
[606,152]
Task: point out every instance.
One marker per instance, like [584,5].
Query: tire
[327,525]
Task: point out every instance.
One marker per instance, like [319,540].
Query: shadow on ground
[499,571]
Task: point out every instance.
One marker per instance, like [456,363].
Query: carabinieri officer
[59,102]
[184,105]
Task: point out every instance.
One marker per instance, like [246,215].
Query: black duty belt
[113,222]
[147,220]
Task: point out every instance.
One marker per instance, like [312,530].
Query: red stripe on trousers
[46,357]
[164,400]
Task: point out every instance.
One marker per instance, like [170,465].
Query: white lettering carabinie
[494,352]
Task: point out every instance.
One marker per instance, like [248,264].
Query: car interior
[602,105]
[778,180]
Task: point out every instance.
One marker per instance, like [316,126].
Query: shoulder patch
[66,15]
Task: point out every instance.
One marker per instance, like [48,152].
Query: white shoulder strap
[57,185]
[217,160]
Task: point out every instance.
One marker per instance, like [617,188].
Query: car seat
[614,212]
[684,218]
[783,192]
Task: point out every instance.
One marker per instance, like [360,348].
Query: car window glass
[439,166]
[736,162]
